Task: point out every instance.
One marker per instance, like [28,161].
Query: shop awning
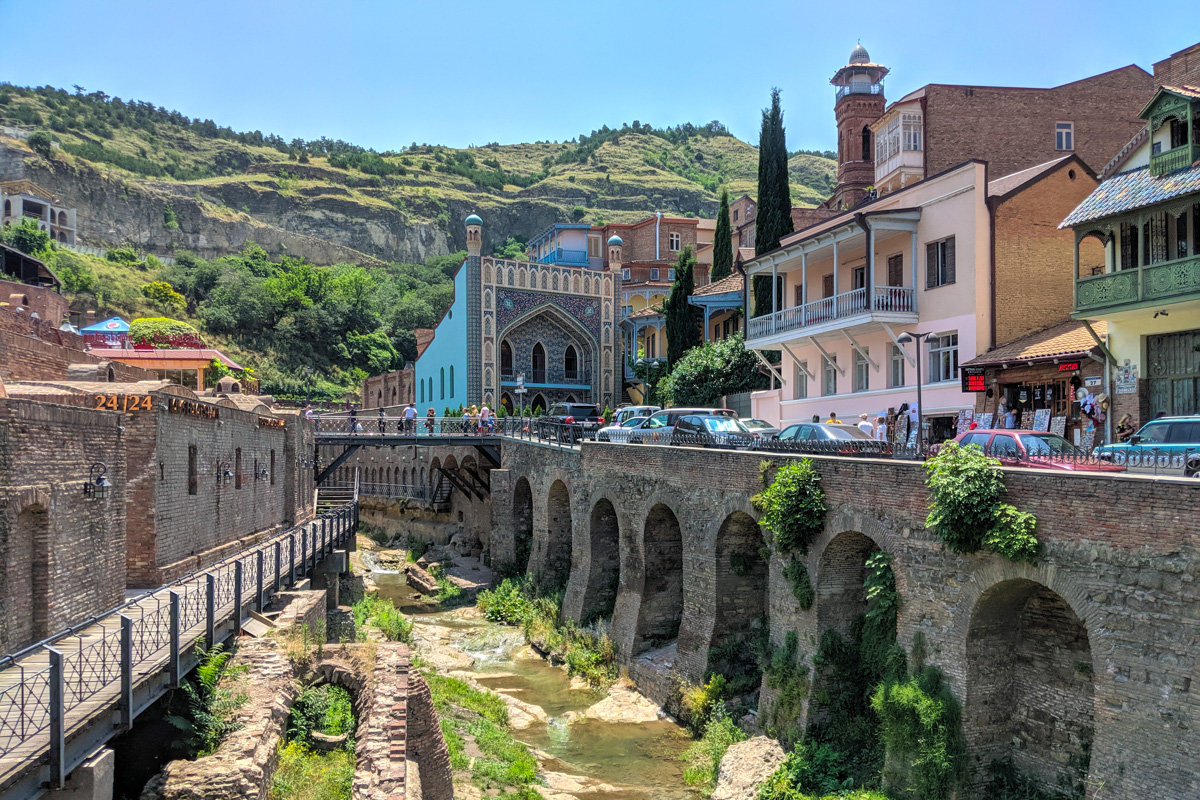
[1066,340]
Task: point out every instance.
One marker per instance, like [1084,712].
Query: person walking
[865,425]
[410,419]
[382,421]
[353,420]
[880,432]
[485,419]
[430,420]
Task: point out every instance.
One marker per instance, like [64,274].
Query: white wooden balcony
[888,304]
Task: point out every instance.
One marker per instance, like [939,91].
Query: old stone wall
[49,305]
[1078,666]
[391,390]
[61,552]
[34,351]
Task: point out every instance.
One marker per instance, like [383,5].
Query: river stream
[638,760]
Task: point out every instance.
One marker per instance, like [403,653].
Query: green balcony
[1167,281]
[1173,159]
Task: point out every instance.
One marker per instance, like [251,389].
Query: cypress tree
[774,195]
[722,241]
[683,332]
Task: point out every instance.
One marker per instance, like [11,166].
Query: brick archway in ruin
[603,563]
[661,608]
[551,557]
[523,524]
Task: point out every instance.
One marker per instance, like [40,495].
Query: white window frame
[800,385]
[674,241]
[654,273]
[943,357]
[671,274]
[829,376]
[913,132]
[896,368]
[625,273]
[862,372]
[1064,136]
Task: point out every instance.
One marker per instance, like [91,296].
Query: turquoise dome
[614,241]
[474,220]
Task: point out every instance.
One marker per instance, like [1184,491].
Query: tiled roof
[1134,189]
[1183,90]
[648,311]
[181,354]
[730,283]
[1065,340]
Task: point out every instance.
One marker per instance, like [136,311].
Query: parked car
[657,429]
[1018,448]
[629,412]
[620,432]
[831,437]
[764,429]
[1164,445]
[712,430]
[569,421]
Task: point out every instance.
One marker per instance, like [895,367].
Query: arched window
[451,381]
[422,392]
[539,363]
[571,363]
[442,383]
[7,208]
[866,143]
[506,360]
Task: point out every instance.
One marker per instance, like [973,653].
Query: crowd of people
[474,420]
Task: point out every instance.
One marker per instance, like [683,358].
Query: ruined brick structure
[61,552]
[1079,667]
[389,390]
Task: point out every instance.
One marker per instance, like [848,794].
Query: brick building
[202,476]
[390,390]
[62,552]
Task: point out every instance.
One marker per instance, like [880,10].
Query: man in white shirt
[881,428]
[865,425]
[485,419]
[410,418]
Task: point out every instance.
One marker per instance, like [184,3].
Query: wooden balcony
[890,303]
[1167,281]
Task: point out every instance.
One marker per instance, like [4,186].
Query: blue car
[1164,446]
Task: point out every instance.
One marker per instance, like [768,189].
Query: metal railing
[367,425]
[859,88]
[562,255]
[548,432]
[83,674]
[829,309]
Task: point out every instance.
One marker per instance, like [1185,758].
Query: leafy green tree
[513,248]
[707,373]
[26,237]
[682,322]
[774,219]
[723,241]
[163,295]
[77,276]
[40,143]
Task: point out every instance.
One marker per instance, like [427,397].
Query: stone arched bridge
[1087,658]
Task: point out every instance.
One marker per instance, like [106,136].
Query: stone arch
[523,519]
[450,463]
[661,608]
[604,562]
[840,596]
[506,359]
[740,578]
[1030,694]
[539,401]
[552,556]
[538,362]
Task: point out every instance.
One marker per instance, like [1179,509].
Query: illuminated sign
[973,379]
[1070,366]
[182,405]
[267,422]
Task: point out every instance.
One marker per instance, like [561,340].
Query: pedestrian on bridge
[430,420]
[353,420]
[382,422]
[410,419]
[485,419]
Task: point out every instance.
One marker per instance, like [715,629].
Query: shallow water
[642,759]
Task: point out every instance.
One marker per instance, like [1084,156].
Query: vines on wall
[792,504]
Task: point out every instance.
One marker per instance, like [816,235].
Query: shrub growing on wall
[921,726]
[793,506]
[965,511]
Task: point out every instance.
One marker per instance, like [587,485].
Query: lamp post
[97,485]
[918,338]
[651,365]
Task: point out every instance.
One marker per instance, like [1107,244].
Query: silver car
[619,433]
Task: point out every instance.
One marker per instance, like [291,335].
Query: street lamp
[919,338]
[97,485]
[651,365]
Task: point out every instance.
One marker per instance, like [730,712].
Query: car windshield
[633,422]
[723,425]
[757,424]
[656,422]
[1048,444]
[1154,433]
[843,432]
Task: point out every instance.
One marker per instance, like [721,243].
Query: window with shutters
[943,357]
[827,285]
[798,295]
[895,270]
[801,382]
[1154,239]
[830,376]
[939,263]
[593,247]
[1129,245]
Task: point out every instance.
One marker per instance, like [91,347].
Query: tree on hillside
[27,237]
[774,219]
[683,330]
[722,241]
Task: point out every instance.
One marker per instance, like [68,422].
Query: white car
[620,432]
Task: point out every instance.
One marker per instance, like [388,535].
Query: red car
[1020,448]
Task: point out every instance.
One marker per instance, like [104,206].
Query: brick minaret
[859,103]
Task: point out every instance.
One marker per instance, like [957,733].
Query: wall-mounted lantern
[97,485]
[263,474]
[224,473]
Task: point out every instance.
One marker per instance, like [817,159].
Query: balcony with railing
[1176,158]
[569,258]
[859,88]
[1166,281]
[850,307]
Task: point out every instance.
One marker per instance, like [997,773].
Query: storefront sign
[973,379]
[181,405]
[1095,380]
[123,402]
[267,422]
[1070,366]
[1127,379]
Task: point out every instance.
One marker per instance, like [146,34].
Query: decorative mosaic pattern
[513,305]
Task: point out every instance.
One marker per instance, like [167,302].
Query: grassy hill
[375,203]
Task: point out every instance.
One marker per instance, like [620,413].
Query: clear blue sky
[384,74]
